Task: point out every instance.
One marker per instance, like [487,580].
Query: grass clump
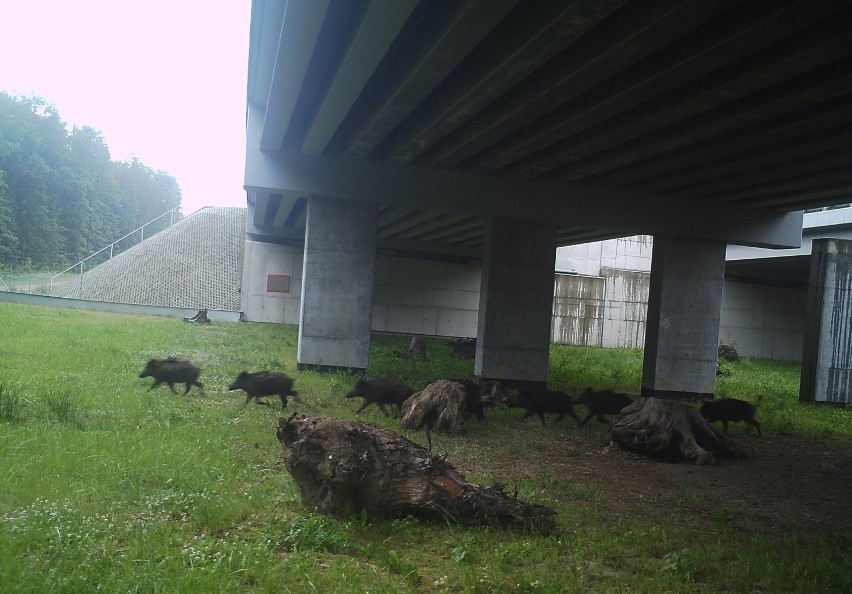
[11,409]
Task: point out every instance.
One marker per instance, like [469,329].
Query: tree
[62,197]
[8,239]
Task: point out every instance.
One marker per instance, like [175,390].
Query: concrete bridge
[494,131]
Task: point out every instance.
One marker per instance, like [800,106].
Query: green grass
[109,486]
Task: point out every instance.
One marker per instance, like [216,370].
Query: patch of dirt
[787,482]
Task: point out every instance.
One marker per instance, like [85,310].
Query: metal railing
[140,230]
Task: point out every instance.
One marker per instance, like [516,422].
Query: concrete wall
[260,305]
[625,253]
[604,302]
[763,321]
[425,297]
[214,315]
[410,296]
[626,307]
[578,310]
[605,306]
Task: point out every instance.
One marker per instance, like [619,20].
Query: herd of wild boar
[599,404]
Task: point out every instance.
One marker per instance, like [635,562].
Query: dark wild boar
[605,402]
[380,392]
[731,410]
[538,402]
[265,383]
[172,371]
[472,398]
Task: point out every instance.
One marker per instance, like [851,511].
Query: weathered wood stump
[199,318]
[670,430]
[494,394]
[440,406]
[463,348]
[346,466]
[416,350]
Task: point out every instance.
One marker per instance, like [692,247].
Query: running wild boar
[172,371]
[380,392]
[472,398]
[538,402]
[605,402]
[258,384]
[731,410]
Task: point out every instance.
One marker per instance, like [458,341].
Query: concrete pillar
[827,353]
[684,309]
[337,284]
[516,301]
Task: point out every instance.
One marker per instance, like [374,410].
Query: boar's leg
[365,404]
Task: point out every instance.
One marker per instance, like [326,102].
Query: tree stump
[463,348]
[347,466]
[440,406]
[670,430]
[496,395]
[199,318]
[416,350]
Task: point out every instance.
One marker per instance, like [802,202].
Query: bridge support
[684,309]
[337,284]
[516,301]
[827,354]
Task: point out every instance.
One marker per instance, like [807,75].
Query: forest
[61,195]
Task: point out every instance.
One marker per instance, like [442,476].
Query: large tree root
[670,430]
[347,466]
[416,350]
[440,406]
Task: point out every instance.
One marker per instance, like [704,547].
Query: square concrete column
[516,301]
[684,310]
[827,353]
[337,284]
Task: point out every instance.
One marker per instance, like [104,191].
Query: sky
[164,80]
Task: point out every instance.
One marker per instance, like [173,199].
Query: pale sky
[164,80]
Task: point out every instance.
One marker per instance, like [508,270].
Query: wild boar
[172,371]
[258,384]
[538,402]
[729,410]
[605,402]
[380,392]
[472,398]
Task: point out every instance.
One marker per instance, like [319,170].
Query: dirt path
[787,482]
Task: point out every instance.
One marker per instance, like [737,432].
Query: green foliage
[10,404]
[110,486]
[316,533]
[574,368]
[61,197]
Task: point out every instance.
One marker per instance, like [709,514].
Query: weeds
[64,405]
[10,404]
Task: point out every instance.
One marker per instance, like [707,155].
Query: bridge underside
[704,123]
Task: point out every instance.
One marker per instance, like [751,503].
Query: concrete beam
[562,204]
[380,26]
[300,28]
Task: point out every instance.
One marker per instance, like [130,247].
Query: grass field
[108,486]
